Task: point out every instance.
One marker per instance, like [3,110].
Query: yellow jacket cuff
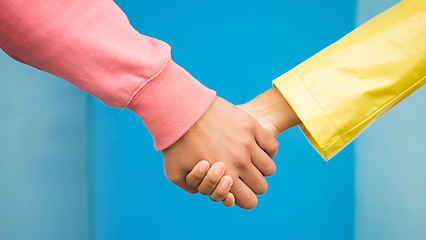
[340,91]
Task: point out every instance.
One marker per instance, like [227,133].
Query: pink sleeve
[91,44]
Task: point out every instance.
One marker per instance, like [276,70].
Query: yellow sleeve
[340,91]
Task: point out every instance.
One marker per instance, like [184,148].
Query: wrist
[273,111]
[170,104]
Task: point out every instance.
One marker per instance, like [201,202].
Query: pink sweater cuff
[170,103]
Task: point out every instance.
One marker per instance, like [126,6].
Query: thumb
[266,140]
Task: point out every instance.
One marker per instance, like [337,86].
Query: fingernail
[218,168]
[203,167]
[226,182]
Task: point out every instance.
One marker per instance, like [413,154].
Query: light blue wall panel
[43,181]
[390,165]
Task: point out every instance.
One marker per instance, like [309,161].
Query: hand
[227,134]
[275,114]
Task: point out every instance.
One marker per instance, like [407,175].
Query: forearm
[92,45]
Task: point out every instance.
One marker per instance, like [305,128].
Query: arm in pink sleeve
[91,44]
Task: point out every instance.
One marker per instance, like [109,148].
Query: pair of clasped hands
[228,152]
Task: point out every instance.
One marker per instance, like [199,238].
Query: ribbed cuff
[170,104]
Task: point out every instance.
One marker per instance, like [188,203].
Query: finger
[212,178]
[229,200]
[222,189]
[197,174]
[254,179]
[244,196]
[263,162]
[266,140]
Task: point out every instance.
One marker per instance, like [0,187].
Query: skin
[212,182]
[274,113]
[227,134]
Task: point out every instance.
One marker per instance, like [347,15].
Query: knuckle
[247,123]
[246,142]
[210,181]
[240,160]
[239,163]
[220,195]
[204,191]
[192,178]
[192,191]
[251,124]
[191,183]
[207,186]
[214,198]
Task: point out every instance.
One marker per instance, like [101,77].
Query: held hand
[273,112]
[225,134]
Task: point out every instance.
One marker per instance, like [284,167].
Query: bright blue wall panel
[236,48]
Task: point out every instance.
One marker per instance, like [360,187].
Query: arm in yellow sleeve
[340,91]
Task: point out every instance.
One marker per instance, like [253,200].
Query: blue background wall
[76,169]
[236,48]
